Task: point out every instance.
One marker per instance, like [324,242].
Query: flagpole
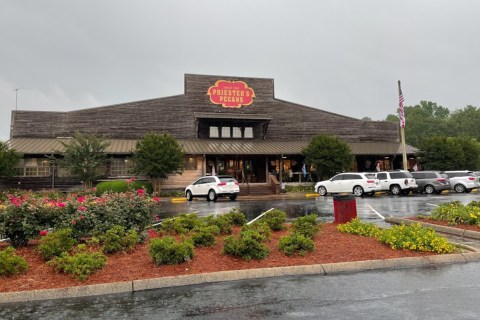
[402,130]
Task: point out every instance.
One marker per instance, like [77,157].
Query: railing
[274,184]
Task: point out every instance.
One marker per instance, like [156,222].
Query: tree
[8,160]
[83,154]
[157,156]
[329,155]
[449,153]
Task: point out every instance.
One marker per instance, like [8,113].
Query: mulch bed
[330,246]
[444,223]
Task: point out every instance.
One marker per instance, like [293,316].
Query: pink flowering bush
[23,217]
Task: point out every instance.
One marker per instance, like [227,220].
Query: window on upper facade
[236,132]
[190,163]
[248,132]
[33,167]
[226,132]
[214,132]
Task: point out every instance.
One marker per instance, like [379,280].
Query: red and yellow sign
[231,94]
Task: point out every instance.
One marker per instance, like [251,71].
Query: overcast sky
[341,56]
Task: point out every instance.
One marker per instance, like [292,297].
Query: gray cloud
[340,56]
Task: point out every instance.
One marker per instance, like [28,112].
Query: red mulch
[330,246]
[444,223]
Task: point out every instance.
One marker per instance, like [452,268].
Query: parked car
[212,187]
[462,180]
[431,181]
[349,182]
[396,181]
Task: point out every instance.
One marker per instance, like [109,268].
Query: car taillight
[221,184]
[236,183]
[441,179]
[471,178]
[370,181]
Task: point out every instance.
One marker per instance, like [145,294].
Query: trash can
[344,208]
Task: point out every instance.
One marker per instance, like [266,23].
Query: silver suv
[397,181]
[462,180]
[431,181]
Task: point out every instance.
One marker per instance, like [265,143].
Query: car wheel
[233,197]
[395,189]
[429,189]
[460,188]
[189,195]
[358,191]
[212,196]
[322,191]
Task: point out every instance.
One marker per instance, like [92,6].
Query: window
[226,132]
[337,178]
[214,132]
[237,132]
[33,167]
[120,167]
[190,163]
[381,176]
[248,132]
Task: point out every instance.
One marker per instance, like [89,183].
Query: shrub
[167,251]
[223,222]
[10,263]
[236,216]
[295,243]
[456,213]
[415,237]
[247,245]
[111,186]
[261,228]
[355,226]
[306,225]
[182,224]
[81,264]
[53,244]
[301,188]
[275,219]
[205,235]
[116,239]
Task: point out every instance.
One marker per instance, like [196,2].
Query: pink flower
[151,233]
[74,221]
[43,232]
[157,218]
[140,192]
[60,204]
[81,199]
[130,180]
[94,189]
[156,199]
[82,208]
[81,217]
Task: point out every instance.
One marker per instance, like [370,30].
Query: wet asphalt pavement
[443,292]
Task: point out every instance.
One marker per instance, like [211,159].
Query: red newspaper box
[344,208]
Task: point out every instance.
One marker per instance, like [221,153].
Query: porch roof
[212,146]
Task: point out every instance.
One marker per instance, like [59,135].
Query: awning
[212,146]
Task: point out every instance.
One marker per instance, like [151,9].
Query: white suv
[212,187]
[396,182]
[462,180]
[350,182]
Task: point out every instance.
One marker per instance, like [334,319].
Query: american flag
[401,111]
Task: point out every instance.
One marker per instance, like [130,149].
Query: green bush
[456,213]
[301,188]
[237,217]
[247,245]
[81,264]
[55,243]
[116,239]
[223,222]
[296,243]
[119,186]
[205,235]
[182,224]
[261,228]
[306,225]
[167,251]
[355,226]
[276,219]
[10,263]
[415,237]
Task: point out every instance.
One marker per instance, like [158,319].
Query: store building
[226,125]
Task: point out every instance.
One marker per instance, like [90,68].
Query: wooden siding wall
[175,115]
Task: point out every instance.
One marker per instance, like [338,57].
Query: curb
[444,229]
[175,281]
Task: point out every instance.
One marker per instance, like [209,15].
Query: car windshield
[227,179]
